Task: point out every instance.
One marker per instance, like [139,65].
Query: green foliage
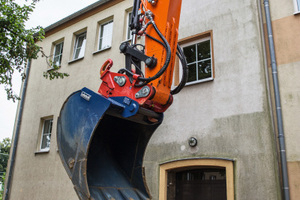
[4,152]
[18,44]
[4,155]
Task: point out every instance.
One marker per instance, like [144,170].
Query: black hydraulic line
[166,64]
[128,72]
[185,71]
[156,40]
[182,59]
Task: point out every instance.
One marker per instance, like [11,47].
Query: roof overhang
[80,15]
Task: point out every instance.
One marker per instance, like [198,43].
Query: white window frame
[297,6]
[80,48]
[128,31]
[107,37]
[46,133]
[194,42]
[60,53]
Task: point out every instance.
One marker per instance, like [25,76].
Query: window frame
[297,6]
[128,31]
[100,39]
[77,36]
[43,121]
[60,53]
[195,42]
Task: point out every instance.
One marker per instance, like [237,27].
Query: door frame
[207,162]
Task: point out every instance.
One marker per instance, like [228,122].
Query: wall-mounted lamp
[192,142]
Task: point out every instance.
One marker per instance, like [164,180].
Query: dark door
[197,184]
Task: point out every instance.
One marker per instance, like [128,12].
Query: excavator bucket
[101,143]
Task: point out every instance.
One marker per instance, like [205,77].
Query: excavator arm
[102,136]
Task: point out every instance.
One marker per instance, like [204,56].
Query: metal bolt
[153,2]
[193,142]
[71,163]
[145,91]
[120,80]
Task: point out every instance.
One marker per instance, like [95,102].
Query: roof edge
[75,15]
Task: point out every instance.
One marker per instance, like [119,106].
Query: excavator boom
[102,136]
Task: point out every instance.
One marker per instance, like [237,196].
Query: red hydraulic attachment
[118,85]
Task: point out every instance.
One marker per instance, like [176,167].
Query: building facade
[218,139]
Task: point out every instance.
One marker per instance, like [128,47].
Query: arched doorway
[193,179]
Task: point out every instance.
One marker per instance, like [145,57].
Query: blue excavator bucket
[101,143]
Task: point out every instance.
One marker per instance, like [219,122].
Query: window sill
[297,12]
[75,60]
[200,81]
[42,152]
[53,69]
[101,50]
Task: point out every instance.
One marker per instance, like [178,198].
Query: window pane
[58,49]
[203,50]
[204,69]
[48,126]
[190,53]
[57,60]
[192,76]
[58,54]
[45,142]
[129,32]
[46,135]
[105,35]
[80,46]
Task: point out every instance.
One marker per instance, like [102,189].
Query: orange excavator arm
[102,136]
[158,21]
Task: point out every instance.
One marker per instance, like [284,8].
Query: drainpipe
[281,139]
[16,135]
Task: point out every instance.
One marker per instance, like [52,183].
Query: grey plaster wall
[230,115]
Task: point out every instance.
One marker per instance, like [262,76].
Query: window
[208,179]
[199,58]
[57,56]
[46,135]
[129,32]
[105,35]
[297,6]
[79,47]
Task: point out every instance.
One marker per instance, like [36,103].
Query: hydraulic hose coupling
[149,15]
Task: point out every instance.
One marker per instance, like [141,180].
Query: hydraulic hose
[185,71]
[167,61]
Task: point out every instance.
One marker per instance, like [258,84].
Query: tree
[18,44]
[4,155]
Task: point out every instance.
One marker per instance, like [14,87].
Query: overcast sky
[46,13]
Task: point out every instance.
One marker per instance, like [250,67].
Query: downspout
[281,139]
[16,135]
